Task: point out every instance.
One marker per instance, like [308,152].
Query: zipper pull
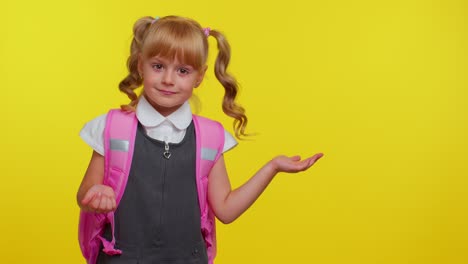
[166,153]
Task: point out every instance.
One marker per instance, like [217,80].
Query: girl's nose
[168,78]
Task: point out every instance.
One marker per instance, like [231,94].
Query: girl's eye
[157,66]
[184,71]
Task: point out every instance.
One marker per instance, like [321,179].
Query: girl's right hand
[99,199]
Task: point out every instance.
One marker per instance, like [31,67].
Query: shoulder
[206,121]
[96,122]
[210,127]
[99,123]
[229,141]
[93,133]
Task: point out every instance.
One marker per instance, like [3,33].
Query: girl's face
[168,83]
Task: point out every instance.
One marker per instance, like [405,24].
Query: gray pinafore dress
[158,218]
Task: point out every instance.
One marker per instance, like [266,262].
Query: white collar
[150,117]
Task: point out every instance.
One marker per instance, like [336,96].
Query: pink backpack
[119,139]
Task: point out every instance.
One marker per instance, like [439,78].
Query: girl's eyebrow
[166,61]
[183,65]
[157,59]
[186,66]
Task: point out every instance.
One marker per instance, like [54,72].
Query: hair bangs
[180,41]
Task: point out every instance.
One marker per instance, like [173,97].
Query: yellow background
[379,86]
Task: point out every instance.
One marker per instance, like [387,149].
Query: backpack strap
[119,143]
[210,144]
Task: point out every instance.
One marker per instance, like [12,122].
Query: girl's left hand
[293,164]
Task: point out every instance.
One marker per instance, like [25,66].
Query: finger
[318,156]
[114,204]
[299,166]
[102,204]
[96,201]
[295,158]
[88,197]
[304,165]
[315,158]
[108,204]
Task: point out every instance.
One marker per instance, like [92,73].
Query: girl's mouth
[166,92]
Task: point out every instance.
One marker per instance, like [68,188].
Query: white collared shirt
[170,129]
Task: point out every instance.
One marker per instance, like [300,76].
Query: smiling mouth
[166,92]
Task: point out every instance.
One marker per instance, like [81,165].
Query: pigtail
[230,107]
[133,79]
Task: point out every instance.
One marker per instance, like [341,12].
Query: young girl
[158,217]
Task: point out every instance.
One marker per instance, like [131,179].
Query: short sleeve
[93,133]
[229,141]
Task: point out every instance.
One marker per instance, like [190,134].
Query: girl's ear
[201,76]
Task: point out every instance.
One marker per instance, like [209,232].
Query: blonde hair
[184,39]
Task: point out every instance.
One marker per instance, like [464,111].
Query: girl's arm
[92,194]
[229,204]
